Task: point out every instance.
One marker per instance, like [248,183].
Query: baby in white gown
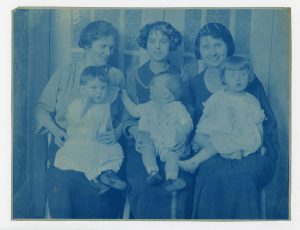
[231,123]
[86,116]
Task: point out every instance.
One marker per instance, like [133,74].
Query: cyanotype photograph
[151,113]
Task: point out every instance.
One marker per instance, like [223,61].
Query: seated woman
[227,188]
[70,193]
[147,201]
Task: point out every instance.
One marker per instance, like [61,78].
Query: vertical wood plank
[60,39]
[172,16]
[279,96]
[260,44]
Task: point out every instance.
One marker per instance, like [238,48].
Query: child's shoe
[111,179]
[174,184]
[154,178]
[102,188]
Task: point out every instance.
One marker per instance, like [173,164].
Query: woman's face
[213,50]
[101,50]
[158,46]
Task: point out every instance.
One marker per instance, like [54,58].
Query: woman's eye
[218,45]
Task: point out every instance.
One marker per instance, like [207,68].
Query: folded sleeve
[46,103]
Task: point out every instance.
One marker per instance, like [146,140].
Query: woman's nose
[107,51]
[157,45]
[212,51]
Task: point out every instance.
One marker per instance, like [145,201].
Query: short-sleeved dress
[82,151]
[146,201]
[232,122]
[230,189]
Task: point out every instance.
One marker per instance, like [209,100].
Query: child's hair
[173,83]
[93,72]
[237,63]
[166,28]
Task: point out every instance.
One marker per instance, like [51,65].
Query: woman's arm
[46,105]
[270,134]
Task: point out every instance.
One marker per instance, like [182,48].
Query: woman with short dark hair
[227,188]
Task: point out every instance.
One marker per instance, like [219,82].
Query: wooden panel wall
[51,40]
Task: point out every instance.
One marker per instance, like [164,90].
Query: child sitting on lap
[168,123]
[231,124]
[87,116]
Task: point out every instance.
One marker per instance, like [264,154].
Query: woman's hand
[179,149]
[107,137]
[195,146]
[236,155]
[143,139]
[60,137]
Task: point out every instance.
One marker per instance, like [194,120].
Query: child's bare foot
[189,165]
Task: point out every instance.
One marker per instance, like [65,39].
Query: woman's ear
[82,89]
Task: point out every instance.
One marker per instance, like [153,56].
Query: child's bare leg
[192,164]
[173,183]
[171,166]
[149,161]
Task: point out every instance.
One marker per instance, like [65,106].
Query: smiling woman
[98,40]
[153,201]
[229,188]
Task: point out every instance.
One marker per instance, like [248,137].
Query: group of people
[174,145]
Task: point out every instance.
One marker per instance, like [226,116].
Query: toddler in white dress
[231,123]
[86,116]
[168,123]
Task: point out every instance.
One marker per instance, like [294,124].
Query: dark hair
[93,72]
[237,63]
[95,30]
[166,28]
[218,31]
[173,83]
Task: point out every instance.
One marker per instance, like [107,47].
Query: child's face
[158,46]
[95,91]
[158,91]
[236,80]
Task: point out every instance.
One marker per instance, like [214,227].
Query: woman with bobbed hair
[70,194]
[152,201]
[227,188]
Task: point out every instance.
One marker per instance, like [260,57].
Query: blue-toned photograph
[151,113]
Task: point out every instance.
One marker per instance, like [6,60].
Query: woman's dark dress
[230,189]
[146,201]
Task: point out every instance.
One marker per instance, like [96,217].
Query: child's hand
[60,137]
[107,137]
